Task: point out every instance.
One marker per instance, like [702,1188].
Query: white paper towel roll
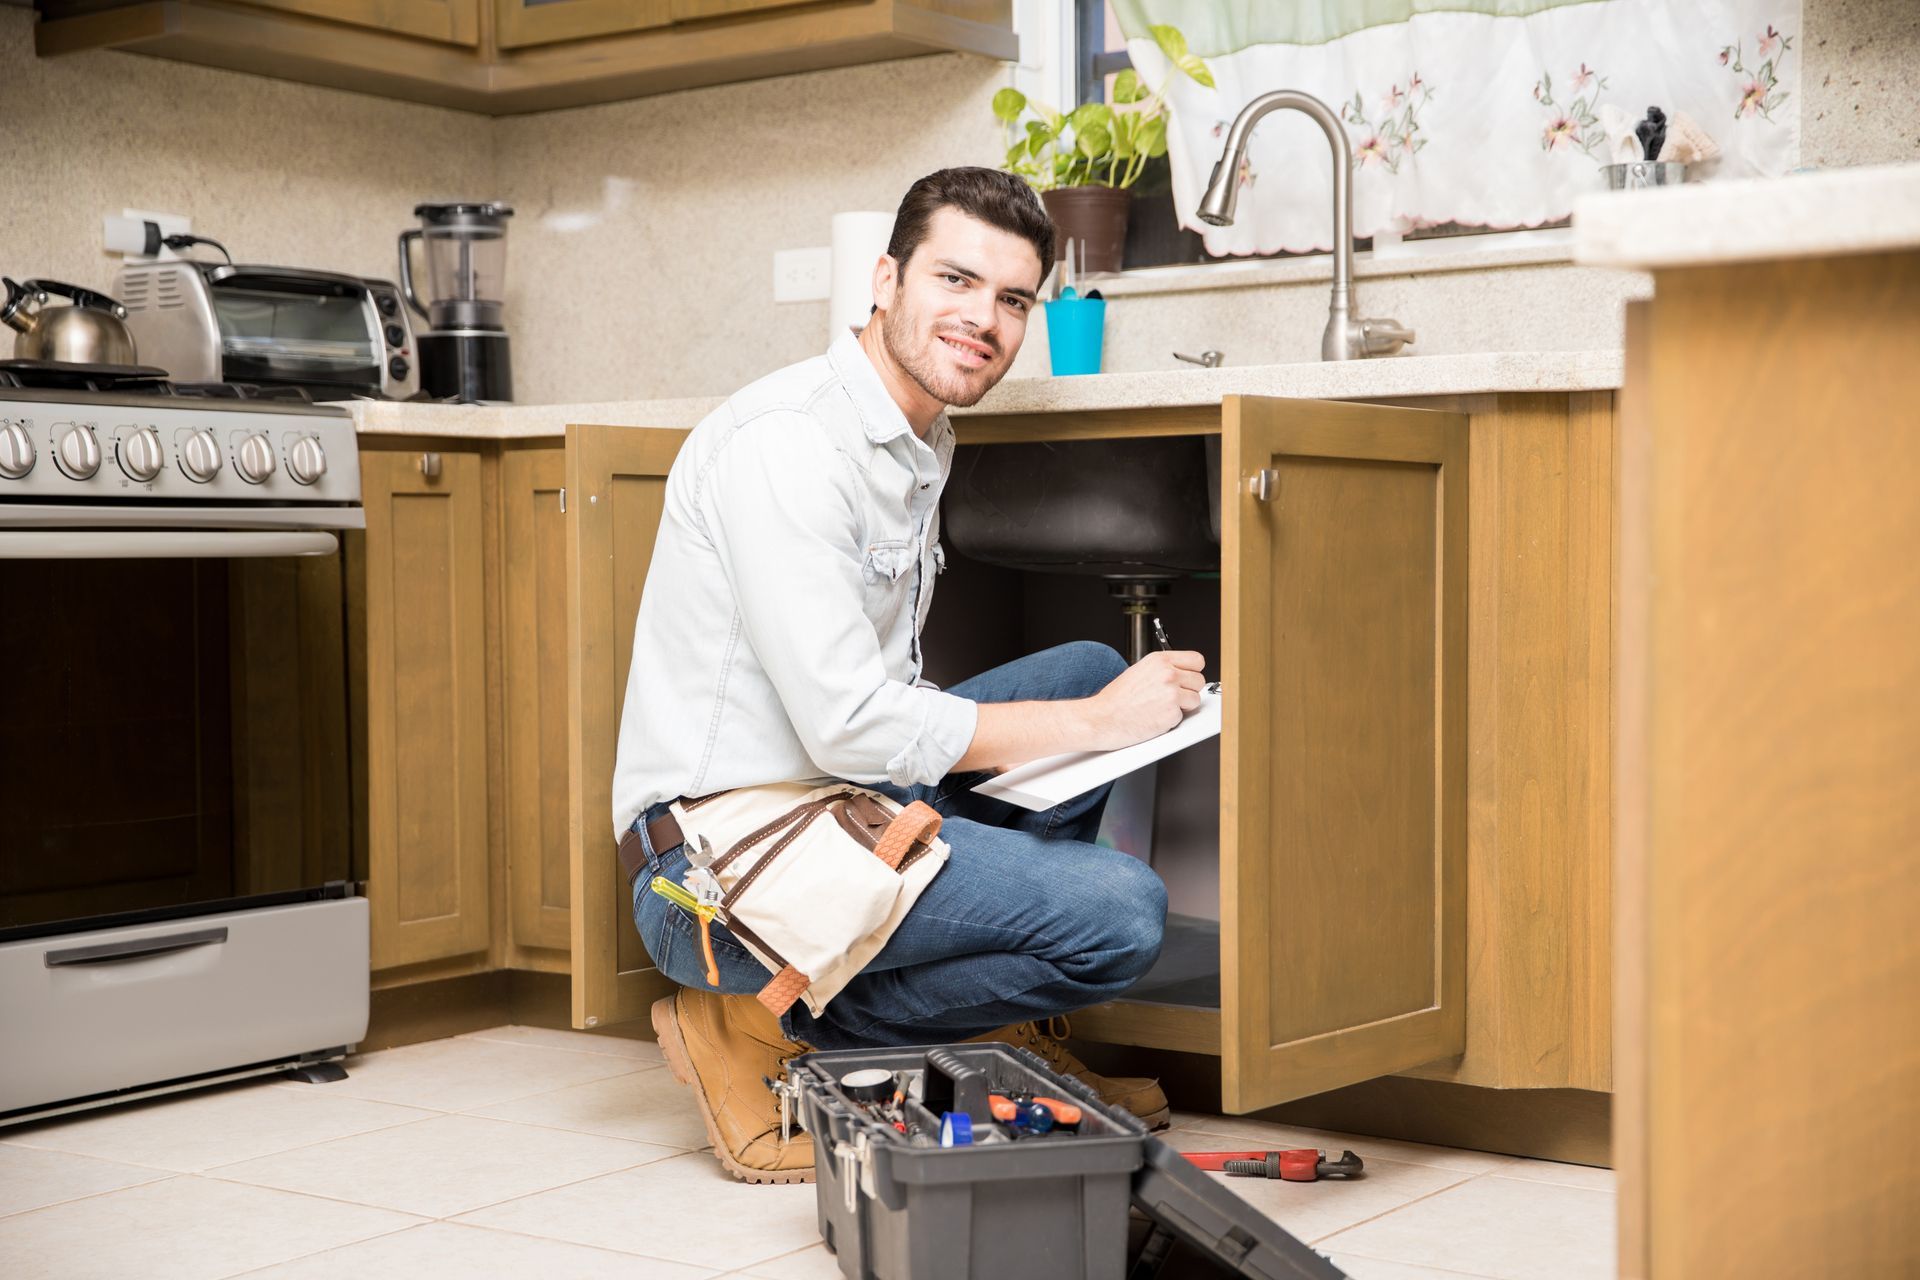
[859,240]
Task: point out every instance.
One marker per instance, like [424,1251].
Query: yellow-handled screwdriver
[681,898]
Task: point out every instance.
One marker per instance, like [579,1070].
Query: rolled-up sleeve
[782,511]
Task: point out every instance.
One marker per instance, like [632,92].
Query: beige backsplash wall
[640,261]
[278,172]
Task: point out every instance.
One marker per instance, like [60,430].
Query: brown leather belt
[663,833]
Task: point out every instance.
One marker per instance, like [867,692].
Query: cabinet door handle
[1264,483]
[563,499]
[430,465]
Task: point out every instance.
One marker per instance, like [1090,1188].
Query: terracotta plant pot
[1096,217]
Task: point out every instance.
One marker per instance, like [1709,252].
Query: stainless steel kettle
[91,331]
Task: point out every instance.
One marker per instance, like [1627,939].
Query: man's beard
[944,384]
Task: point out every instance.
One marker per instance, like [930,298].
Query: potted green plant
[1082,162]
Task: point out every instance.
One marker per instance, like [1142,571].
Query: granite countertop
[1869,209]
[1399,376]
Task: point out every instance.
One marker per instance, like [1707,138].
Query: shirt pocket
[889,562]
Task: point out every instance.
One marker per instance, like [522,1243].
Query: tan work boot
[722,1046]
[1137,1094]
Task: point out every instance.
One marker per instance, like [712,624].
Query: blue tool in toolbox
[920,1182]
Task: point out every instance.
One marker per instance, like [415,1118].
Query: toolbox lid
[1219,1224]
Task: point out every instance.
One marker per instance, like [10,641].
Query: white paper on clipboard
[1050,780]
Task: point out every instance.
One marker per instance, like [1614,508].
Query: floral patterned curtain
[1486,113]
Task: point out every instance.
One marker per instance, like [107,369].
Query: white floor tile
[577,1041]
[686,1209]
[32,1179]
[181,1228]
[444,1165]
[645,1106]
[450,1251]
[813,1263]
[188,1132]
[1496,1226]
[1314,1210]
[1267,1137]
[1567,1175]
[456,1074]
[1359,1268]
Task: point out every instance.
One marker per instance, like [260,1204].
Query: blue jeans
[1028,919]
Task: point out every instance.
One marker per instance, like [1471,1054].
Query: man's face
[954,315]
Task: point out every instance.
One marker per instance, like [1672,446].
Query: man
[778,640]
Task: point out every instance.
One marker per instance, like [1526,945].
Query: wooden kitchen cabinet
[418,588]
[504,57]
[1769,966]
[533,737]
[447,21]
[616,484]
[1343,836]
[521,23]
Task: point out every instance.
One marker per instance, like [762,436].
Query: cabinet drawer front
[179,998]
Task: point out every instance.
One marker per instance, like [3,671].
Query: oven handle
[134,947]
[163,544]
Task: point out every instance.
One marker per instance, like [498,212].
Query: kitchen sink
[1138,508]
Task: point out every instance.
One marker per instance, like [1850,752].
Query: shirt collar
[882,418]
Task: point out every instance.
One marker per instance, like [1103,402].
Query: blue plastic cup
[1074,328]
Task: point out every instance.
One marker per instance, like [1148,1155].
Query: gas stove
[91,448]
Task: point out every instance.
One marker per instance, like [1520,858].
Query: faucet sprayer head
[1216,206]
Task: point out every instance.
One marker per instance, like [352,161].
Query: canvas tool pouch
[816,877]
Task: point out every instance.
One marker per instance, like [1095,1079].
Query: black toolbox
[895,1206]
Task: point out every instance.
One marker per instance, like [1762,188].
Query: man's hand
[1142,702]
[1146,699]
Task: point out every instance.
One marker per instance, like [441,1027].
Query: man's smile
[971,354]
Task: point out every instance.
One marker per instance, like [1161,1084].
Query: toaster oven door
[294,328]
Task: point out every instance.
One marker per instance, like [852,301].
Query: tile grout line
[378,1235]
[675,1147]
[1425,1266]
[578,1244]
[558,1186]
[131,1186]
[1471,1177]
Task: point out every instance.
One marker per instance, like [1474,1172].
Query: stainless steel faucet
[1346,338]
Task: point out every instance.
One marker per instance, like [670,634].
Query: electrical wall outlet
[802,275]
[126,234]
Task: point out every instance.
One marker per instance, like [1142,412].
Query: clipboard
[1051,780]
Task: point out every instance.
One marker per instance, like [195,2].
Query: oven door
[173,722]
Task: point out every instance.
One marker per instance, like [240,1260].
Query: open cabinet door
[616,490]
[1343,755]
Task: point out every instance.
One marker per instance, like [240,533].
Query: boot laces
[1049,1043]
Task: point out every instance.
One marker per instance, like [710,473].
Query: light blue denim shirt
[779,630]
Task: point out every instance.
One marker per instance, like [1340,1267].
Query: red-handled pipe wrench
[1301,1165]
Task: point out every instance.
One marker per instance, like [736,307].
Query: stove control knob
[77,451]
[306,461]
[16,451]
[255,460]
[200,457]
[140,454]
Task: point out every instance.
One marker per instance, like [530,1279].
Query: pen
[1160,633]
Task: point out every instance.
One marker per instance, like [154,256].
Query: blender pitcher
[463,352]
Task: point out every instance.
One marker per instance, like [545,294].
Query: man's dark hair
[997,199]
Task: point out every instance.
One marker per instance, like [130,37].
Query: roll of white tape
[859,241]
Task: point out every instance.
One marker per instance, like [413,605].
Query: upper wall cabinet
[520,23]
[506,57]
[448,21]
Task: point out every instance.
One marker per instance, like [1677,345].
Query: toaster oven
[335,336]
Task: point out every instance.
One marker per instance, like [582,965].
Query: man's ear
[886,280]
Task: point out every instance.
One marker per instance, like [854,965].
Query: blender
[463,352]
